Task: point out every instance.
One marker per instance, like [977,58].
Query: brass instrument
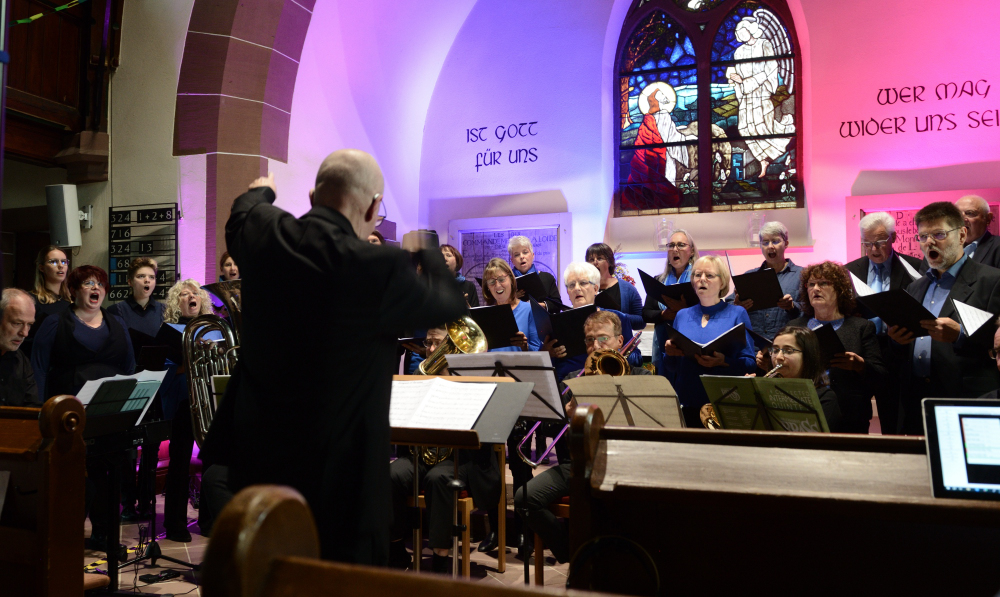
[464,337]
[708,416]
[230,293]
[600,362]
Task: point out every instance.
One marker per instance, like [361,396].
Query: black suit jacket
[312,409]
[959,370]
[899,278]
[988,250]
[551,291]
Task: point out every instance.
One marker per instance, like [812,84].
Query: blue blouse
[631,312]
[660,329]
[525,323]
[684,372]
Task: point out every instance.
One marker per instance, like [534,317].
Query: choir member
[81,344]
[17,380]
[603,331]
[826,297]
[796,349]
[702,323]
[453,259]
[139,311]
[882,268]
[681,254]
[522,256]
[185,301]
[773,242]
[994,355]
[227,265]
[500,288]
[627,298]
[335,406]
[50,292]
[981,245]
[947,363]
[581,281]
[376,238]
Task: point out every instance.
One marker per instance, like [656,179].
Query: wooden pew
[732,512]
[41,525]
[265,544]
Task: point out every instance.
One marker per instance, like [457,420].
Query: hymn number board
[906,230]
[142,231]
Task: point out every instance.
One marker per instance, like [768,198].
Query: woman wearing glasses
[827,296]
[773,242]
[796,349]
[500,288]
[50,292]
[625,296]
[681,254]
[703,323]
[81,344]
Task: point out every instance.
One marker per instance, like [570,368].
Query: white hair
[518,241]
[775,228]
[8,297]
[582,268]
[876,219]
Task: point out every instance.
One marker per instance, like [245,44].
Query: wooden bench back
[41,524]
[724,512]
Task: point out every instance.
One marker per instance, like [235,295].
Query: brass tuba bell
[464,337]
[203,359]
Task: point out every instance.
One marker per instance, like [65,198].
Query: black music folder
[610,298]
[531,284]
[498,324]
[762,287]
[731,339]
[655,288]
[566,327]
[151,353]
[829,343]
[761,342]
[896,307]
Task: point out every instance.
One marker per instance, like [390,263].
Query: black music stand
[769,404]
[535,367]
[643,400]
[493,425]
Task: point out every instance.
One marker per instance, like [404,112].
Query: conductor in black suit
[312,409]
[948,363]
[981,245]
[882,269]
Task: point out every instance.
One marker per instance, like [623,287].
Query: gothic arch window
[731,63]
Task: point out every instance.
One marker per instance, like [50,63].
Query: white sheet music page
[860,287]
[972,318]
[404,400]
[909,269]
[451,405]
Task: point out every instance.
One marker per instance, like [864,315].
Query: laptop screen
[965,438]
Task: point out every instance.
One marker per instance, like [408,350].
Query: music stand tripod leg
[415,513]
[153,551]
[456,487]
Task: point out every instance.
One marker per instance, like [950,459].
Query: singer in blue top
[500,288]
[681,255]
[625,296]
[703,323]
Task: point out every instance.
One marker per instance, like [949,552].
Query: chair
[560,509]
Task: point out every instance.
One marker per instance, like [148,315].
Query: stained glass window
[736,70]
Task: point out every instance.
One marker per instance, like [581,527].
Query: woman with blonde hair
[658,310]
[51,293]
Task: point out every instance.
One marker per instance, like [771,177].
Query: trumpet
[708,416]
[600,362]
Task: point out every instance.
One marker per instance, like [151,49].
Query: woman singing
[681,254]
[602,257]
[500,288]
[455,262]
[228,268]
[703,323]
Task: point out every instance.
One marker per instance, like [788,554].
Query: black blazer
[855,390]
[964,371]
[988,250]
[551,291]
[899,278]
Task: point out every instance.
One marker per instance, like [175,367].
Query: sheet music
[861,288]
[438,403]
[909,269]
[86,393]
[972,318]
[484,364]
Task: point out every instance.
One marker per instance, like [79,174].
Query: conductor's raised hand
[942,329]
[520,341]
[265,181]
[671,350]
[900,335]
[556,352]
[716,360]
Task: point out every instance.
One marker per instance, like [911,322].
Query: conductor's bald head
[350,181]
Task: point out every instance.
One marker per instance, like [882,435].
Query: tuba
[464,337]
[204,358]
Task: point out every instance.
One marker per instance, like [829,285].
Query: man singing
[312,405]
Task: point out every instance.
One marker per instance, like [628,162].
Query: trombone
[601,362]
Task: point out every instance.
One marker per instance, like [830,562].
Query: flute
[774,371]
